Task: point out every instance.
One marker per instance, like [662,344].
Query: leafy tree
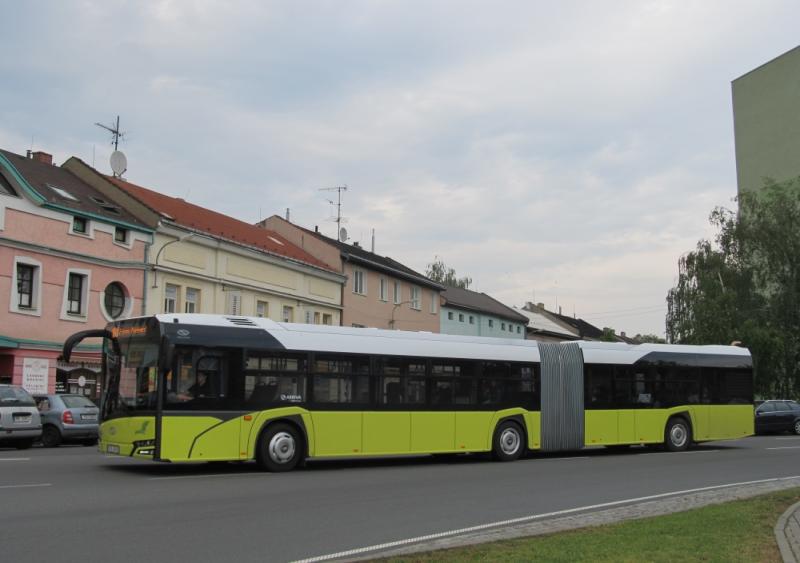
[746,286]
[650,338]
[439,272]
[609,335]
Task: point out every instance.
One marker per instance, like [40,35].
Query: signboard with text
[34,374]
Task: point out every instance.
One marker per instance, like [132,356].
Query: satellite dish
[343,234]
[119,163]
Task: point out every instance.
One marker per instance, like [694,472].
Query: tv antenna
[340,232]
[114,130]
[119,162]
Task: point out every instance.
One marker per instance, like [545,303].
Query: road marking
[787,438]
[15,459]
[26,486]
[210,475]
[379,547]
[563,458]
[785,448]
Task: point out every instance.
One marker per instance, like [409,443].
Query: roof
[353,253]
[585,330]
[186,214]
[55,185]
[474,301]
[539,322]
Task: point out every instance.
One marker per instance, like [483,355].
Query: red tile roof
[204,220]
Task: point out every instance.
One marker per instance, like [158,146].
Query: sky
[564,152]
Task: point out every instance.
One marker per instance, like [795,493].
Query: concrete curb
[787,533]
[678,503]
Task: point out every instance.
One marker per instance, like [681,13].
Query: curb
[787,533]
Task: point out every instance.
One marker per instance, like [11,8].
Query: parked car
[20,423]
[778,416]
[67,418]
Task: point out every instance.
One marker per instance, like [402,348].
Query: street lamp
[396,305]
[158,254]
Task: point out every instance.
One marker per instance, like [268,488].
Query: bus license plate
[112,449]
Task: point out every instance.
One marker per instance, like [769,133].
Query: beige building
[202,261]
[379,292]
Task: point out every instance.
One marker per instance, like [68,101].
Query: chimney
[622,334]
[373,241]
[540,305]
[316,228]
[559,309]
[287,214]
[356,244]
[42,157]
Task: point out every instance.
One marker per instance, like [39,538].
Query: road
[75,503]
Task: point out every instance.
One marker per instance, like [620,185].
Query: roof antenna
[340,232]
[119,163]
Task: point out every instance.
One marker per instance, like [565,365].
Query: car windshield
[76,401]
[16,396]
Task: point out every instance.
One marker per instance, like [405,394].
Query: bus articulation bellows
[189,387]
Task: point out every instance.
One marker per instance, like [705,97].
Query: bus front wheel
[678,435]
[508,442]
[280,448]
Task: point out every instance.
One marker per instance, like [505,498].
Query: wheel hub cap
[509,441]
[281,447]
[678,435]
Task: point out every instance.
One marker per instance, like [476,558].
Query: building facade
[379,292]
[766,122]
[476,314]
[71,259]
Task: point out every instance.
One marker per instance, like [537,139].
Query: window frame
[36,286]
[85,295]
[415,298]
[383,289]
[359,281]
[126,302]
[177,298]
[194,302]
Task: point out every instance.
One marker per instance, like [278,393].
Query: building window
[25,285]
[415,291]
[114,300]
[192,304]
[359,282]
[316,317]
[288,314]
[170,298]
[519,329]
[491,323]
[5,187]
[80,225]
[471,320]
[120,235]
[461,317]
[327,319]
[384,289]
[262,309]
[234,303]
[502,326]
[398,295]
[449,315]
[434,302]
[75,298]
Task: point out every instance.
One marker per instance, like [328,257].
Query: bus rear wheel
[678,435]
[508,443]
[280,448]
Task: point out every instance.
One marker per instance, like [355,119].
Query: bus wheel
[508,442]
[797,427]
[678,435]
[280,448]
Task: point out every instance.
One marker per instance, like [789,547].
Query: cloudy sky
[558,152]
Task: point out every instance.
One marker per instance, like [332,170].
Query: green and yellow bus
[187,387]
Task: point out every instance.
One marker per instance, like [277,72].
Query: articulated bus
[188,387]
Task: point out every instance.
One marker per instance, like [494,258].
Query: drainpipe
[144,280]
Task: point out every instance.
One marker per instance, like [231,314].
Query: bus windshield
[133,376]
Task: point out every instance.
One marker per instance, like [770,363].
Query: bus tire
[797,426]
[508,442]
[280,448]
[678,434]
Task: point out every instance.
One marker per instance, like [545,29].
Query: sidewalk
[787,532]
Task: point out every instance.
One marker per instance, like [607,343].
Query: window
[471,320]
[234,303]
[327,319]
[25,285]
[402,382]
[434,302]
[114,300]
[170,298]
[309,316]
[491,323]
[383,288]
[262,309]
[75,294]
[275,379]
[192,304]
[502,326]
[415,291]
[397,293]
[5,187]
[80,225]
[120,235]
[288,314]
[359,282]
[519,329]
[316,317]
[199,380]
[461,317]
[449,315]
[341,379]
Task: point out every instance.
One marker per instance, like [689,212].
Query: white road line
[787,438]
[210,475]
[379,547]
[15,459]
[26,486]
[785,448]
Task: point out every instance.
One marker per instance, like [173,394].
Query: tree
[439,272]
[746,286]
[609,335]
[649,338]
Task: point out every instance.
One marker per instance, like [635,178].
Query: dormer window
[5,187]
[80,225]
[62,192]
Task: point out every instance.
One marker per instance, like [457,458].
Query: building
[202,261]
[544,327]
[581,329]
[380,292]
[71,259]
[477,314]
[766,122]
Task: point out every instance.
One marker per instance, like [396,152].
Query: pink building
[70,260]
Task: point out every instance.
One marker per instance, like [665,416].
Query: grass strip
[740,530]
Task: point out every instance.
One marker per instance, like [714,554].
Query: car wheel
[508,443]
[797,426]
[280,448]
[51,437]
[23,444]
[678,435]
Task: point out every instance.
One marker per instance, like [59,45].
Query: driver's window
[199,374]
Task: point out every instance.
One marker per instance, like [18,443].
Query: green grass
[734,531]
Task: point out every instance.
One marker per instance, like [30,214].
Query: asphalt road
[73,503]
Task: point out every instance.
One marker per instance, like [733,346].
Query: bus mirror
[78,337]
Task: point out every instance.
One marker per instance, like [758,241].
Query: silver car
[67,418]
[20,423]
